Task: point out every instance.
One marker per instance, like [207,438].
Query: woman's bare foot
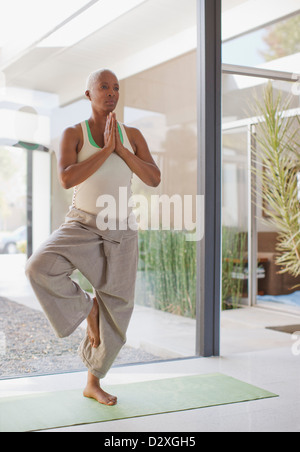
[93,390]
[93,325]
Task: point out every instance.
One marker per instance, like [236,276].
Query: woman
[96,157]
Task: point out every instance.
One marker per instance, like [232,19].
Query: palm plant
[277,164]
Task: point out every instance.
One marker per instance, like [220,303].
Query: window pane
[241,96]
[268,40]
[42,90]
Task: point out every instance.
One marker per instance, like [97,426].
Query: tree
[283,39]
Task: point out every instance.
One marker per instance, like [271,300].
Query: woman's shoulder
[73,134]
[73,130]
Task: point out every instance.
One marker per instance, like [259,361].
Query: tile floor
[276,370]
[250,352]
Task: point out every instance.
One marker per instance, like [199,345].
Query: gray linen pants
[108,259]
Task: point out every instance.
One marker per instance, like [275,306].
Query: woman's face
[104,94]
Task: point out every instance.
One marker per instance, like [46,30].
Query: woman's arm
[141,163]
[71,172]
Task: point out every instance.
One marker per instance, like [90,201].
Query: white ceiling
[63,71]
[32,19]
[153,32]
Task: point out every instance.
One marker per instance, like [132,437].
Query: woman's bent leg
[49,270]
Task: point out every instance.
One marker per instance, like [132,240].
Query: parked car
[9,240]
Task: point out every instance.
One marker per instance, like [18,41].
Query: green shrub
[169,264]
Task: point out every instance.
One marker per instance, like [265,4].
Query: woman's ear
[87,94]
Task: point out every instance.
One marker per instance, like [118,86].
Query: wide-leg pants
[108,259]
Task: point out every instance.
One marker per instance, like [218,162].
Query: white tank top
[106,193]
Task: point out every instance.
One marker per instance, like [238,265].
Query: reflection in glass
[274,46]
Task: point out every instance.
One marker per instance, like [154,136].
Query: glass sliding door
[244,204]
[158,95]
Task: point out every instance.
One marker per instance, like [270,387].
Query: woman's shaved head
[94,77]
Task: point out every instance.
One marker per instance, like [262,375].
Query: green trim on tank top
[91,139]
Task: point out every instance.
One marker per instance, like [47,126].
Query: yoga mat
[67,408]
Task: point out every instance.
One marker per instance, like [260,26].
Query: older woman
[97,157]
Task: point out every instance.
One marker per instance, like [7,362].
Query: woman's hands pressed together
[112,139]
[110,132]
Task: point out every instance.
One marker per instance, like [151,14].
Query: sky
[245,50]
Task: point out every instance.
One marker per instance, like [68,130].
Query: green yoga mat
[66,408]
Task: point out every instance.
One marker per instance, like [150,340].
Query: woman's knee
[35,266]
[30,268]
